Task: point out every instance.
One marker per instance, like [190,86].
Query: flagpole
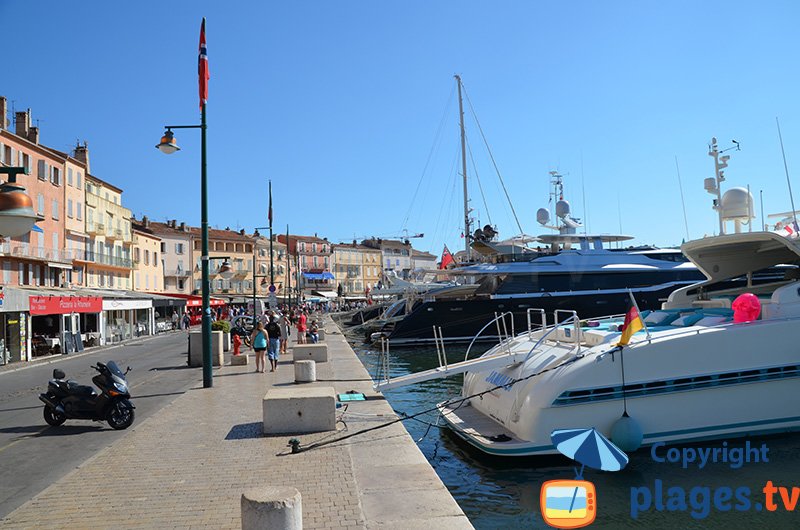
[271,271]
[646,331]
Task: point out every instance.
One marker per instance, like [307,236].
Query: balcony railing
[18,249]
[103,259]
[177,273]
[92,200]
[114,234]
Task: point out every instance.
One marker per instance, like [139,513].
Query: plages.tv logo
[573,503]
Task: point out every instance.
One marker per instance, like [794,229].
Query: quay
[188,465]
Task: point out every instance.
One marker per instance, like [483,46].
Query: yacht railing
[495,319]
[543,325]
[438,340]
[573,319]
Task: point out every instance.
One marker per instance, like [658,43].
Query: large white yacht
[691,374]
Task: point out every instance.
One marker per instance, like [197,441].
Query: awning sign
[61,305]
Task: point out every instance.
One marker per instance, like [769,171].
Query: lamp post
[256,276]
[167,145]
[17,216]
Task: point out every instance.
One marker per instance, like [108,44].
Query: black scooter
[68,400]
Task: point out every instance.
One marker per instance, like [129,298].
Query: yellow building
[279,267]
[148,268]
[224,245]
[356,268]
[107,258]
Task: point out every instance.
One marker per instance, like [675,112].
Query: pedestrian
[259,341]
[174,319]
[283,320]
[301,328]
[186,321]
[313,332]
[274,334]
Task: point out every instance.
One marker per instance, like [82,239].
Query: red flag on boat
[202,65]
[447,258]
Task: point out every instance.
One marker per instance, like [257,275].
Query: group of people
[271,335]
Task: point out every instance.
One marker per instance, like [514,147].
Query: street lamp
[257,276]
[168,145]
[17,216]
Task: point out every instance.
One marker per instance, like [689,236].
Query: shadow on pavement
[159,368]
[36,431]
[22,408]
[245,431]
[143,396]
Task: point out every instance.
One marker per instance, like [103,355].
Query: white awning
[326,294]
[59,265]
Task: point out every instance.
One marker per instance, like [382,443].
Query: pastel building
[148,268]
[176,254]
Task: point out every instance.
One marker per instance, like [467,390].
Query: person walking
[274,334]
[186,321]
[301,327]
[283,320]
[175,319]
[259,341]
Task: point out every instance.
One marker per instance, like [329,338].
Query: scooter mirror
[59,374]
[128,369]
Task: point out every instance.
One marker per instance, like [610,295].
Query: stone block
[321,334]
[310,352]
[305,371]
[196,348]
[226,341]
[272,507]
[240,360]
[299,410]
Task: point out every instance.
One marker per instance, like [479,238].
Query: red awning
[63,305]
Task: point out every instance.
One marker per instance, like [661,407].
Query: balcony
[114,234]
[176,273]
[101,229]
[92,200]
[91,229]
[21,250]
[102,259]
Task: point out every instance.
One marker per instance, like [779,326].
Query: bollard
[278,507]
[305,371]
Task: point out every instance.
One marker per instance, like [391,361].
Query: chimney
[82,153]
[33,134]
[3,112]
[23,122]
[145,221]
[241,232]
[172,223]
[183,227]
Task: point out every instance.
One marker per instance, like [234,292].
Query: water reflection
[504,493]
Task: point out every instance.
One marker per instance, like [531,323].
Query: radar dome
[562,208]
[737,203]
[542,216]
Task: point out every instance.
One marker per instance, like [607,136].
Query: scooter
[68,400]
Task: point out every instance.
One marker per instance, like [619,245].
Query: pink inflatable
[746,307]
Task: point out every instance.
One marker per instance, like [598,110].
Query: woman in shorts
[259,341]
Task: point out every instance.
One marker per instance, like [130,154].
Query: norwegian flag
[202,65]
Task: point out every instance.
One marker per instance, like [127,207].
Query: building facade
[107,260]
[279,271]
[423,261]
[395,255]
[313,259]
[175,254]
[224,245]
[148,268]
[357,268]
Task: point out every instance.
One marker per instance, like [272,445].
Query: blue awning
[318,276]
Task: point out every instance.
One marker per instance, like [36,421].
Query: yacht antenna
[761,196]
[464,168]
[786,169]
[683,203]
[713,185]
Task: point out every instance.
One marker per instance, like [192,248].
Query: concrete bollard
[240,360]
[279,507]
[321,334]
[305,371]
[196,348]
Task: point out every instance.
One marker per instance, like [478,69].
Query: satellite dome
[542,216]
[562,208]
[737,203]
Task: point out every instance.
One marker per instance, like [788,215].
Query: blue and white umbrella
[590,448]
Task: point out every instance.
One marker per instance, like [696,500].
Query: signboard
[62,305]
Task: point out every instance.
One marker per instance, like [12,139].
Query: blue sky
[339,103]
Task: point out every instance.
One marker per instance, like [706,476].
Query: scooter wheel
[120,415]
[52,417]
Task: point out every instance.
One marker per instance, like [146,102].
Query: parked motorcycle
[68,400]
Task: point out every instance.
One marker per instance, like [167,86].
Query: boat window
[676,257]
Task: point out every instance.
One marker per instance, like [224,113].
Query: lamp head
[225,270]
[264,282]
[167,145]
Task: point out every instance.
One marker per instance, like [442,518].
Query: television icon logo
[568,503]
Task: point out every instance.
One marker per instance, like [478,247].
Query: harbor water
[649,493]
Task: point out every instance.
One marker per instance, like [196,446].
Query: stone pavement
[187,465]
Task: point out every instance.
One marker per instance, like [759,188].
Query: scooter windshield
[114,369]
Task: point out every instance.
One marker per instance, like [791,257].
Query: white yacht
[691,374]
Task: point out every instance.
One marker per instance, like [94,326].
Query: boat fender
[627,434]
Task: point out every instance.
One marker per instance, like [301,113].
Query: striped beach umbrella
[589,448]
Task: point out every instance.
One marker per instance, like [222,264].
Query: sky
[349,108]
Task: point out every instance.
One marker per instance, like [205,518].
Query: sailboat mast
[464,169]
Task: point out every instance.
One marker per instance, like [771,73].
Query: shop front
[63,324]
[124,319]
[13,326]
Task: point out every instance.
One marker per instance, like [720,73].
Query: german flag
[633,323]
